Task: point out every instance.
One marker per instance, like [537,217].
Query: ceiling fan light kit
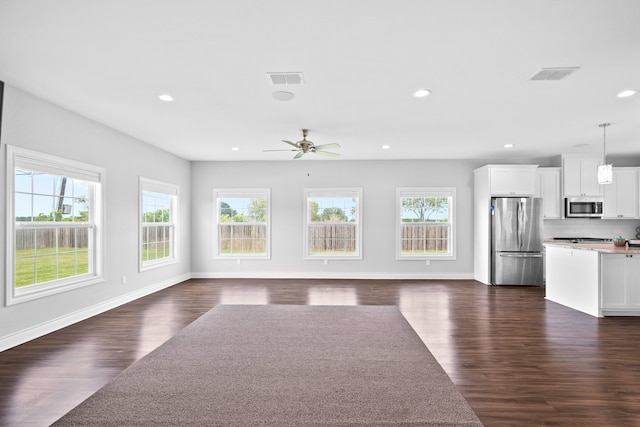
[305,146]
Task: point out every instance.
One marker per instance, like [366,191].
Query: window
[54,224]
[158,212]
[426,223]
[242,223]
[333,223]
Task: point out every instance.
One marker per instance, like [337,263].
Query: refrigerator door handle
[520,224]
[518,209]
[516,255]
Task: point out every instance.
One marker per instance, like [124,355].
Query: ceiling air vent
[553,73]
[285,78]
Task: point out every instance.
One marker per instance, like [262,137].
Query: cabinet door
[589,177]
[501,181]
[621,196]
[512,182]
[524,182]
[571,176]
[548,188]
[580,176]
[614,292]
[633,280]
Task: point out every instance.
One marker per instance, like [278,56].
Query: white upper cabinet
[512,180]
[621,196]
[548,188]
[580,176]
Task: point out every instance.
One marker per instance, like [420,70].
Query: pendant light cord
[604,142]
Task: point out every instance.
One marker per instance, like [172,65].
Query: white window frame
[449,192]
[221,193]
[173,191]
[350,192]
[33,160]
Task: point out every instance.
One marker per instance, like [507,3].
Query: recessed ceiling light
[165,97]
[385,147]
[508,145]
[235,148]
[581,145]
[626,93]
[283,95]
[421,93]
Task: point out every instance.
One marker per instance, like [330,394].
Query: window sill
[33,292]
[151,265]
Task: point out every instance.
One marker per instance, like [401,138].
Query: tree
[257,210]
[424,207]
[333,215]
[225,209]
[314,208]
[354,208]
[160,215]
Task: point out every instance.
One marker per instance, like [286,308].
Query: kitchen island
[597,279]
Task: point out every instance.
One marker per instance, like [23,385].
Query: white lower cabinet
[620,283]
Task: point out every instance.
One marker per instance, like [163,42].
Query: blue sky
[46,191]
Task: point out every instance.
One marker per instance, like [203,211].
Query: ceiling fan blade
[279,150]
[291,143]
[327,153]
[300,154]
[325,146]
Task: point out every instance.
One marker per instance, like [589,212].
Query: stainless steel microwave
[583,207]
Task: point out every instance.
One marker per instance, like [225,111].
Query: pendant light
[605,171]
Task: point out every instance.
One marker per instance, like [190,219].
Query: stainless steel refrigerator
[516,241]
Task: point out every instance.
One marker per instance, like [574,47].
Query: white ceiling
[361,60]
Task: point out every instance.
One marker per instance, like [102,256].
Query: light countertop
[605,248]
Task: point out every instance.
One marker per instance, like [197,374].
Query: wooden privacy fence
[156,234]
[423,237]
[243,238]
[239,237]
[332,237]
[420,237]
[42,238]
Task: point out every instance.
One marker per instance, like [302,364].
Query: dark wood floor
[518,359]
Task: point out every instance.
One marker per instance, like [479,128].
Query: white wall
[287,179]
[32,123]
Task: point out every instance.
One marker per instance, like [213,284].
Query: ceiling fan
[305,146]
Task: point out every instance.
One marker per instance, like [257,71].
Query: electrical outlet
[428,262]
[124,280]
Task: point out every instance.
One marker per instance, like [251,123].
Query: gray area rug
[283,365]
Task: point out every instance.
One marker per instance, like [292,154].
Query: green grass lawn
[151,254]
[332,252]
[424,252]
[48,266]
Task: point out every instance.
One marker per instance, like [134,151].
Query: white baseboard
[333,275]
[37,331]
